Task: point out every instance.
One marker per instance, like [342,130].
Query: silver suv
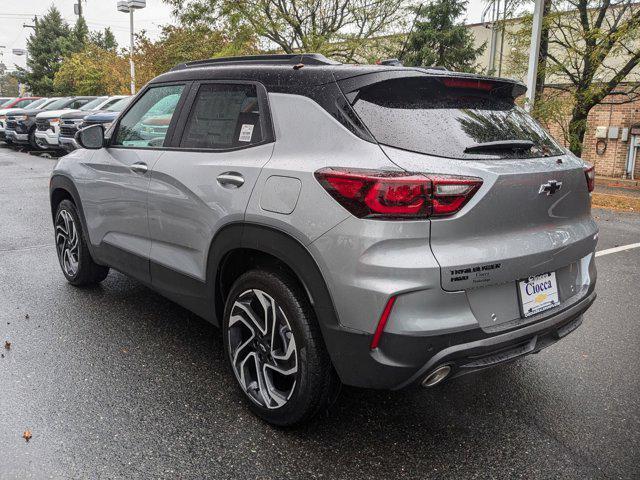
[377,226]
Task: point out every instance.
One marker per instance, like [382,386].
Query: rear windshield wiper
[509,145]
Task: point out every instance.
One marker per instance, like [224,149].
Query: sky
[100,14]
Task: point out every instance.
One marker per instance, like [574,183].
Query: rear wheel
[275,349]
[73,254]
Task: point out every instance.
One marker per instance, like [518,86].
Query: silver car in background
[376,226]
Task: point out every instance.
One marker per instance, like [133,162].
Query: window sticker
[245,133]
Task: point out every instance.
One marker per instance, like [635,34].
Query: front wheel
[73,254]
[275,349]
[33,143]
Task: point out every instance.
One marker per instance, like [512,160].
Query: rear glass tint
[423,115]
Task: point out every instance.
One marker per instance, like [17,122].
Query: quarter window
[147,122]
[223,116]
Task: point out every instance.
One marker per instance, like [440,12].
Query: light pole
[2,66]
[19,52]
[128,6]
[534,53]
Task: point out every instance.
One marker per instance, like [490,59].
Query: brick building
[613,133]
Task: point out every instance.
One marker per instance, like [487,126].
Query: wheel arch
[240,246]
[62,187]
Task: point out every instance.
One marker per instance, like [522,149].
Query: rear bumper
[403,360]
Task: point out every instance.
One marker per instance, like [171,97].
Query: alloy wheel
[262,348]
[67,243]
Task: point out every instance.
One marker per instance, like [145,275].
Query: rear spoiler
[507,87]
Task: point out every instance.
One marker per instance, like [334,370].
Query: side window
[109,103]
[147,122]
[223,116]
[23,103]
[80,102]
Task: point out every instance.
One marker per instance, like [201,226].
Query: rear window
[223,116]
[425,116]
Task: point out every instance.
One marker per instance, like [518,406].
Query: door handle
[139,167]
[231,179]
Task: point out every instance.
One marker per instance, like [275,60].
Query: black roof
[296,73]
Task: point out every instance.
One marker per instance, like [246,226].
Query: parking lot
[117,382]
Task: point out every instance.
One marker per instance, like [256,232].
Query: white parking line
[617,249]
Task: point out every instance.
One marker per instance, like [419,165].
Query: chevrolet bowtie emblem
[550,187]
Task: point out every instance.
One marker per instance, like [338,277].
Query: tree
[592,50]
[438,38]
[342,29]
[80,34]
[105,40]
[179,44]
[103,71]
[51,41]
[93,71]
[8,82]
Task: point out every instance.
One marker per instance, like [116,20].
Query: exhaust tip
[436,376]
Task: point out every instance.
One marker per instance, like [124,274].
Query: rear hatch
[531,215]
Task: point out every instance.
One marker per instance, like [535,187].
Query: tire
[297,379]
[73,254]
[32,139]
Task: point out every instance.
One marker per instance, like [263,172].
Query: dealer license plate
[538,293]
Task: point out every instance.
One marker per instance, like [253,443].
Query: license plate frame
[533,303]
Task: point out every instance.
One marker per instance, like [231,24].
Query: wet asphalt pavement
[117,382]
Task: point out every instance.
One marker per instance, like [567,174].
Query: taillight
[397,195]
[590,174]
[468,83]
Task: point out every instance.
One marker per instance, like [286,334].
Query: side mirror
[91,137]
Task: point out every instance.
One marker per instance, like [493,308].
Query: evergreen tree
[80,33]
[440,39]
[105,40]
[51,41]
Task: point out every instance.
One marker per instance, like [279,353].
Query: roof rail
[277,59]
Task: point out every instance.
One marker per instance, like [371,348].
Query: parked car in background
[19,102]
[8,111]
[48,122]
[5,100]
[70,122]
[20,125]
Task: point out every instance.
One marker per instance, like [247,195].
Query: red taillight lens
[590,174]
[397,195]
[468,83]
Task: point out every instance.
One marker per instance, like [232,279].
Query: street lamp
[128,6]
[19,52]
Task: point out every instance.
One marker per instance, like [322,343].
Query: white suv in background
[48,122]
